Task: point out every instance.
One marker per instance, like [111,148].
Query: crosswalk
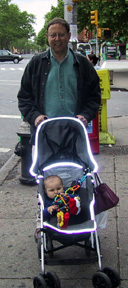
[11,69]
[10,116]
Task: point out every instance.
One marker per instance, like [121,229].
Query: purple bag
[105,198]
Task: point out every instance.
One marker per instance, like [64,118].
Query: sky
[37,7]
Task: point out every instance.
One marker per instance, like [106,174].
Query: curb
[8,167]
[114,88]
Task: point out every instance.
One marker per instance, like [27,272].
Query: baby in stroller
[62,148]
[59,201]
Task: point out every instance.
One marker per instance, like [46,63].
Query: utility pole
[70,15]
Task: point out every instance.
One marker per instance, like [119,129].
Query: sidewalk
[19,260]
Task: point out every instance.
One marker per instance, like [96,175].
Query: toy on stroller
[62,148]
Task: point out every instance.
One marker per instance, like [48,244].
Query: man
[58,82]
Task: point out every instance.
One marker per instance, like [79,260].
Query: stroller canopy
[62,140]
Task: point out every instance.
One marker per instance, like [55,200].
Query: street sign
[69,8]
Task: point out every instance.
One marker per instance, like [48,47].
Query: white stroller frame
[38,174]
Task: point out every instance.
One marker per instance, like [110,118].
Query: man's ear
[69,35]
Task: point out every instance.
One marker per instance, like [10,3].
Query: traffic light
[94,17]
[107,34]
[99,32]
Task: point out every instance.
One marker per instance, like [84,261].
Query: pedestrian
[119,55]
[94,59]
[58,82]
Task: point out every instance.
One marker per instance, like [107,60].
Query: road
[10,118]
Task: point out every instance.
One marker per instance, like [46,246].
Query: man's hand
[80,117]
[39,119]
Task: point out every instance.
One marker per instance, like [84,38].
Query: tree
[112,15]
[14,24]
[55,12]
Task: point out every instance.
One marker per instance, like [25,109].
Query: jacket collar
[46,55]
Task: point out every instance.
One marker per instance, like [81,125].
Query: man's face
[58,38]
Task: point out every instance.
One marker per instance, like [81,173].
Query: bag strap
[97,179]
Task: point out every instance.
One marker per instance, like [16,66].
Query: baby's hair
[51,177]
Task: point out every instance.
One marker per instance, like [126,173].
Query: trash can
[93,134]
[104,136]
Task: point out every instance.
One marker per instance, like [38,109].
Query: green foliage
[112,15]
[55,12]
[14,24]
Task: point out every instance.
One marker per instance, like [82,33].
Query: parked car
[6,55]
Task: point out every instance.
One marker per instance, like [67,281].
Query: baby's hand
[52,208]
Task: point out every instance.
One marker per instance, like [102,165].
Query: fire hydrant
[24,150]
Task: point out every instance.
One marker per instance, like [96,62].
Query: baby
[58,202]
[52,185]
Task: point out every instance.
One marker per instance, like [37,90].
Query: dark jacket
[31,93]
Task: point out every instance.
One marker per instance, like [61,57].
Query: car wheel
[15,60]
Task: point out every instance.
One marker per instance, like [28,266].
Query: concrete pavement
[19,260]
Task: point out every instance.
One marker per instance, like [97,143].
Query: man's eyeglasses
[54,35]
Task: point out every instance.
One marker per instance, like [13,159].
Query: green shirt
[61,88]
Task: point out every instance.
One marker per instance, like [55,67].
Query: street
[10,118]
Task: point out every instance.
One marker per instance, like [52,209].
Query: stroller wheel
[113,275]
[39,282]
[101,280]
[52,280]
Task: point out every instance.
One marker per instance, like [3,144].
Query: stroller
[62,148]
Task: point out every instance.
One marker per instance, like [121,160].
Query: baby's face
[53,187]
